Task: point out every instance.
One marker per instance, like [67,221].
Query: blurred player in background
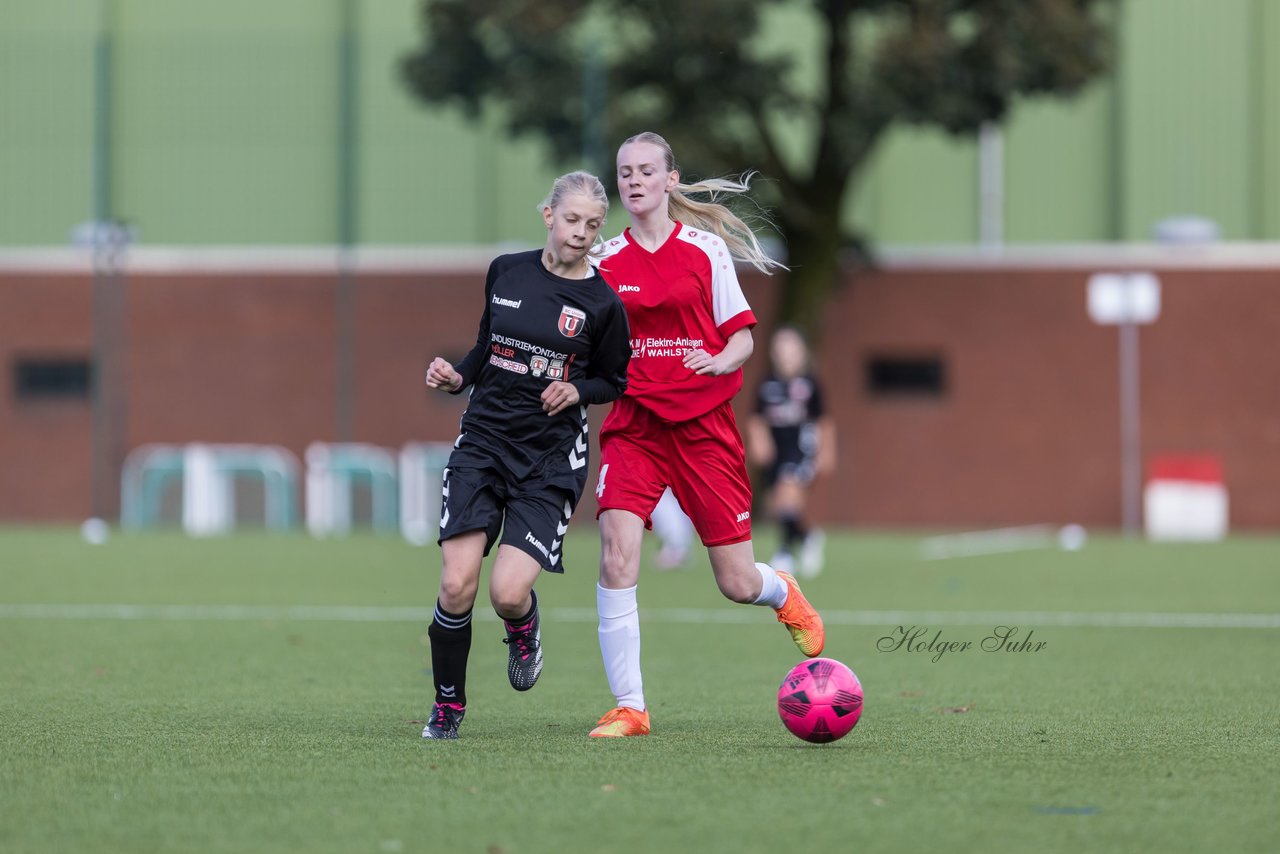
[674,531]
[675,427]
[553,338]
[792,439]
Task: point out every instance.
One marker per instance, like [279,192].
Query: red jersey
[684,296]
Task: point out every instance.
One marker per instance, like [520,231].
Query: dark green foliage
[585,74]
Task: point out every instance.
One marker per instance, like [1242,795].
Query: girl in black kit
[553,338]
[793,440]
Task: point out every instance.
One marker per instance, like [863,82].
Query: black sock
[792,533]
[527,618]
[450,646]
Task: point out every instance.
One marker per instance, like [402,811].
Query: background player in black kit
[553,338]
[793,440]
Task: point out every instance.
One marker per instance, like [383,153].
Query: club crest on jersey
[571,321]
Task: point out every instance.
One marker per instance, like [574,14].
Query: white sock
[773,590]
[620,644]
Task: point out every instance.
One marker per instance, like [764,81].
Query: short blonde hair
[576,183]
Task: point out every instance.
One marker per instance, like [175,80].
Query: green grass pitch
[220,714]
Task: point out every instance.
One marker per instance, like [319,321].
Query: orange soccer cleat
[801,619]
[622,721]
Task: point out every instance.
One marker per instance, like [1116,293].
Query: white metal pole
[1130,429]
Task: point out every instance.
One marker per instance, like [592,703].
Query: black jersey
[791,408]
[537,328]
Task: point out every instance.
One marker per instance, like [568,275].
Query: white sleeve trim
[727,299]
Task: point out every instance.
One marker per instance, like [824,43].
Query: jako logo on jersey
[628,289]
[528,535]
[742,517]
[571,321]
[509,303]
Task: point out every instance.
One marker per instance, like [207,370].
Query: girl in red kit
[674,427]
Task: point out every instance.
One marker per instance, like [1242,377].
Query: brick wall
[1026,431]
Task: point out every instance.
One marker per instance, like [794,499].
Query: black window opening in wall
[906,376]
[66,378]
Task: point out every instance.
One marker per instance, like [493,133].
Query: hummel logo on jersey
[628,289]
[742,517]
[509,303]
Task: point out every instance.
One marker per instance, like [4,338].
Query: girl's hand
[736,351]
[441,375]
[558,397]
[702,362]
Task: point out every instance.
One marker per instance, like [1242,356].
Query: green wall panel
[426,176]
[1186,114]
[32,17]
[46,120]
[318,17]
[226,129]
[416,167]
[1266,50]
[1059,174]
[226,136]
[922,188]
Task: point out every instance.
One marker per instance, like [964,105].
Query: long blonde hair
[712,215]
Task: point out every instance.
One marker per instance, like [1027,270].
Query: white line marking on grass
[1002,541]
[283,613]
[728,614]
[1068,619]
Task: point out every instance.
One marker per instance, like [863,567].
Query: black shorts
[532,516]
[799,467]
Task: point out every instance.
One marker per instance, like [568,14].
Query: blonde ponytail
[711,214]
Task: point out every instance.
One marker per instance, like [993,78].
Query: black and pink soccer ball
[820,700]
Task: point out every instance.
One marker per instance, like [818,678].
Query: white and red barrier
[1186,498]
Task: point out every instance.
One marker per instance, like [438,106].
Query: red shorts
[702,460]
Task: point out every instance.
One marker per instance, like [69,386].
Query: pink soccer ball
[820,700]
